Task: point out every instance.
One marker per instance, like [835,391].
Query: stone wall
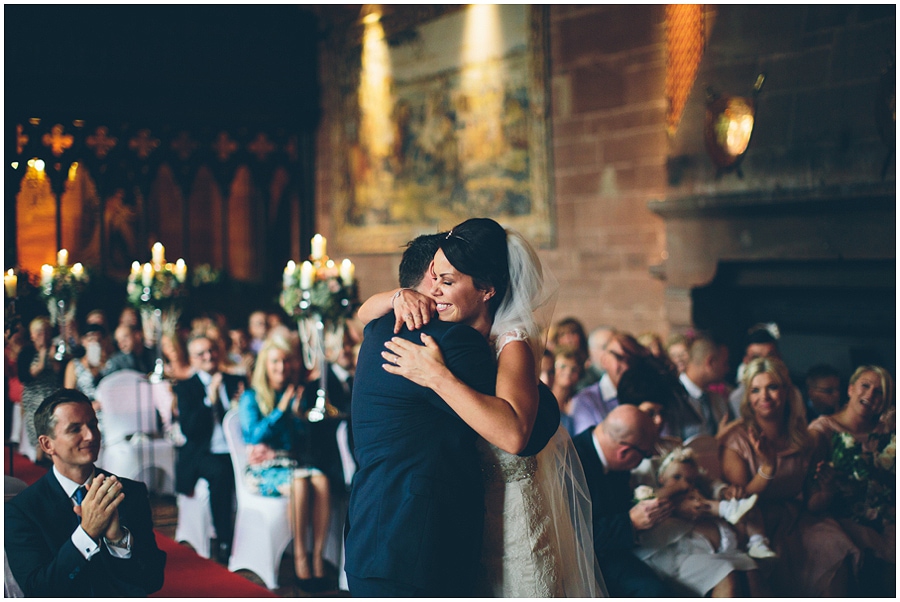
[612,155]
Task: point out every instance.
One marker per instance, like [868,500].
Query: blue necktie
[79,495]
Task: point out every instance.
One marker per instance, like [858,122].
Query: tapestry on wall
[438,121]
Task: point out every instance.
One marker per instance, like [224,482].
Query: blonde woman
[272,426]
[768,452]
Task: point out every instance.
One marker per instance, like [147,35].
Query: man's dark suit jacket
[417,504]
[196,419]
[39,524]
[611,498]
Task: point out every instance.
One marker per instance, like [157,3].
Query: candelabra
[320,298]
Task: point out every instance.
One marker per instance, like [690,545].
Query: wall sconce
[729,126]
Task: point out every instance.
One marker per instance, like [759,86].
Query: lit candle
[289,270]
[307,275]
[147,275]
[135,269]
[46,274]
[78,271]
[62,258]
[347,271]
[180,270]
[159,254]
[11,281]
[318,247]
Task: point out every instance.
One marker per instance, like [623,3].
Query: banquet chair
[132,445]
[262,528]
[195,524]
[706,451]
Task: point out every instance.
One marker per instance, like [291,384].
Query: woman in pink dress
[767,452]
[868,416]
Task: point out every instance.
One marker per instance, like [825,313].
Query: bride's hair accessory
[450,233]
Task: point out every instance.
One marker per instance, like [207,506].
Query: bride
[538,533]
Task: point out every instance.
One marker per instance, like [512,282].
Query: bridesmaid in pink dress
[869,410]
[768,451]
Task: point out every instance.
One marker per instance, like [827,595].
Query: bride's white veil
[528,306]
[530,298]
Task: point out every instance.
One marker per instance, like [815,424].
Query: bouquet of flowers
[866,478]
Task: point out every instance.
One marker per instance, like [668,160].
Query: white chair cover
[132,445]
[262,528]
[195,524]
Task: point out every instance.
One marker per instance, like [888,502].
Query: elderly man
[609,452]
[80,531]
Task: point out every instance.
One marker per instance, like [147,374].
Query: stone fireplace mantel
[833,224]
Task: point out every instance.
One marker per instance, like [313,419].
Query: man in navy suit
[203,400]
[417,504]
[609,452]
[80,531]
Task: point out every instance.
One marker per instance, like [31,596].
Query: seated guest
[279,464]
[83,373]
[593,370]
[80,531]
[653,342]
[40,376]
[761,342]
[132,355]
[869,419]
[568,363]
[706,410]
[239,353]
[823,391]
[608,453]
[568,332]
[257,328]
[202,401]
[768,452]
[591,405]
[696,548]
[175,358]
[678,349]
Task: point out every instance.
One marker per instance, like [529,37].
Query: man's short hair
[820,371]
[418,254]
[45,420]
[196,336]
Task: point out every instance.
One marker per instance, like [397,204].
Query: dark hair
[418,254]
[648,379]
[477,248]
[820,371]
[761,336]
[44,420]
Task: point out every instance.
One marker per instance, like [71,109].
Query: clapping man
[80,531]
[203,400]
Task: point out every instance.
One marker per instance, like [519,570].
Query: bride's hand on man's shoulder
[415,362]
[412,308]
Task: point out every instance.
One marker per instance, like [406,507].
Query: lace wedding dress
[538,539]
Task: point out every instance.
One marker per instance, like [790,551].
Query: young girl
[697,548]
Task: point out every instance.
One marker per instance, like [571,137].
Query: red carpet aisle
[190,576]
[187,574]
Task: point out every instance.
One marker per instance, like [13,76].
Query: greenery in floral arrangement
[205,274]
[157,288]
[866,478]
[63,282]
[328,297]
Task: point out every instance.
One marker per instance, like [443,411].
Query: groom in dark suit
[80,531]
[417,504]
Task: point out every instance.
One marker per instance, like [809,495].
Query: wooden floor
[165,519]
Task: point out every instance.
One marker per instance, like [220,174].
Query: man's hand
[647,513]
[99,510]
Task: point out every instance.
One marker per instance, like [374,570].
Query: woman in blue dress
[273,429]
